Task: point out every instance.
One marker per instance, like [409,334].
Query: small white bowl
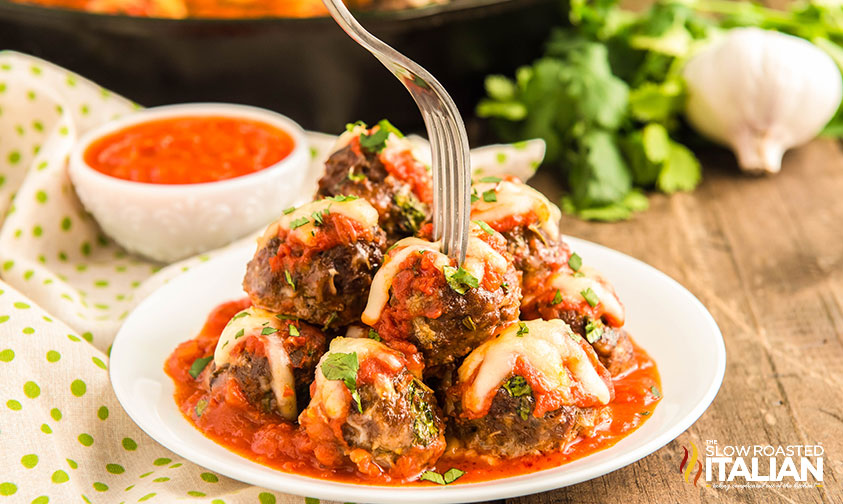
[168,222]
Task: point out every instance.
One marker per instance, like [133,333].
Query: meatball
[528,221]
[588,303]
[385,173]
[533,388]
[269,359]
[317,262]
[421,298]
[371,408]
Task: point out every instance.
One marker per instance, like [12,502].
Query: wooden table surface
[765,256]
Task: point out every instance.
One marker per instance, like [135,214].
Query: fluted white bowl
[168,222]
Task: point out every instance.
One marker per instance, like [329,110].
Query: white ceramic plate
[663,317]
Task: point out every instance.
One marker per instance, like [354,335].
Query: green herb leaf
[289,278]
[342,198]
[593,331]
[491,179]
[266,331]
[240,334]
[485,227]
[201,406]
[344,367]
[331,318]
[355,177]
[656,392]
[452,475]
[288,211]
[469,324]
[374,335]
[517,386]
[522,330]
[375,142]
[293,330]
[198,366]
[317,218]
[505,287]
[590,296]
[474,196]
[433,477]
[682,171]
[645,413]
[460,280]
[350,126]
[575,262]
[557,298]
[490,196]
[241,315]
[297,223]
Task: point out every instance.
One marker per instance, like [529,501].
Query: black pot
[307,69]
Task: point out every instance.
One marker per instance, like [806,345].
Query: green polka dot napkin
[65,288]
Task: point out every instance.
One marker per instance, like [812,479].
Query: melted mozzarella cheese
[357,209]
[379,291]
[251,322]
[550,349]
[571,287]
[331,392]
[516,199]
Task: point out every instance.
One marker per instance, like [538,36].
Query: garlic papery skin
[761,92]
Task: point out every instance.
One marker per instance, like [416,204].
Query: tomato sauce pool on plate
[189,150]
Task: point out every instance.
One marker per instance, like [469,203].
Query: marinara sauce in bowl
[170,182]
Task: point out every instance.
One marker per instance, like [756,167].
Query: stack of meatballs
[378,345]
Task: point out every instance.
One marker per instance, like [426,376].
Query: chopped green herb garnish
[297,223]
[288,211]
[239,334]
[200,407]
[474,196]
[557,298]
[386,125]
[331,318]
[289,278]
[645,413]
[485,227]
[491,179]
[593,331]
[286,317]
[199,365]
[344,367]
[375,142]
[374,335]
[240,315]
[579,274]
[350,126]
[468,322]
[412,211]
[452,475]
[575,262]
[355,177]
[656,392]
[342,198]
[425,426]
[517,386]
[293,330]
[460,280]
[505,287]
[490,196]
[590,297]
[317,218]
[433,477]
[266,331]
[522,330]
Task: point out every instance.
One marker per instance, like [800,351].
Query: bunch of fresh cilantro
[607,96]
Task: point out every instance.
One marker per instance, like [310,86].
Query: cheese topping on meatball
[264,326]
[550,348]
[304,221]
[515,198]
[479,256]
[572,286]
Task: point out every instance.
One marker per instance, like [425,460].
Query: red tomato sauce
[189,150]
[264,438]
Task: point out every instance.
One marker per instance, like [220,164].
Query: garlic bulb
[761,92]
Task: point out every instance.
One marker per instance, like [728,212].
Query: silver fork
[445,129]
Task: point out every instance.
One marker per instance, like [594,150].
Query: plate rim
[515,486]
